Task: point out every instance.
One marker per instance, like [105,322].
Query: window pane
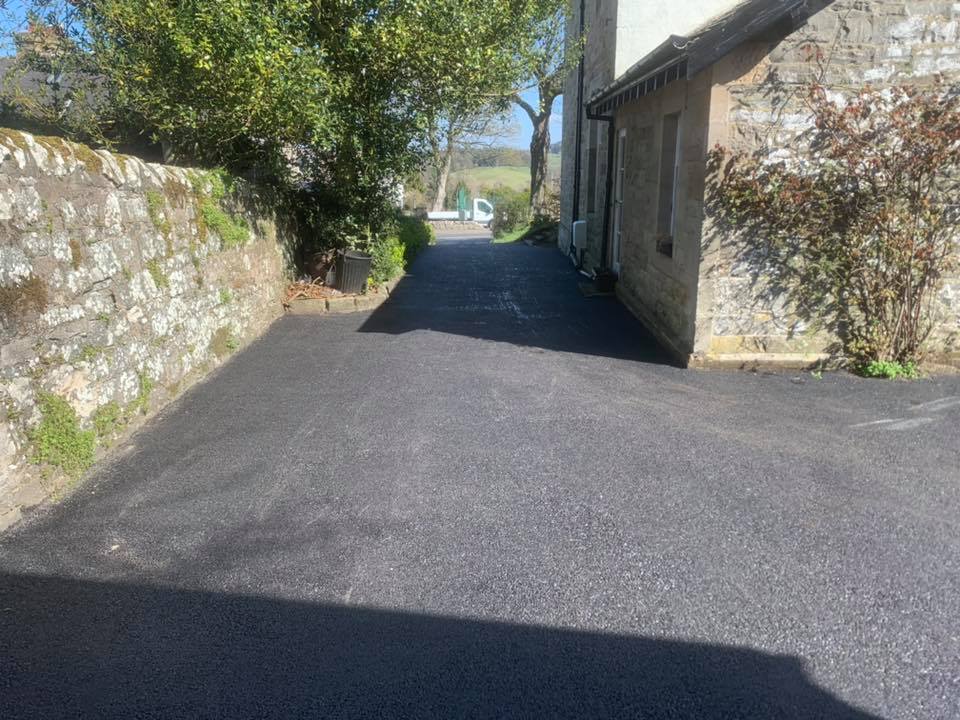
[668,181]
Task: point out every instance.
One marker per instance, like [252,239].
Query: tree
[351,86]
[456,129]
[49,86]
[349,89]
[544,61]
[857,221]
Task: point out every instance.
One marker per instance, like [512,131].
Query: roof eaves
[685,56]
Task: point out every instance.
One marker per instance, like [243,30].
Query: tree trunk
[539,156]
[441,176]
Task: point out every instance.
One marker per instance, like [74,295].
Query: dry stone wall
[121,282]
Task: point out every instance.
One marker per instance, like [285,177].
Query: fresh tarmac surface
[492,497]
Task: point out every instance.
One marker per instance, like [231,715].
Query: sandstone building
[663,83]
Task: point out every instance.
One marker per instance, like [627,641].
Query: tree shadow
[511,293]
[74,648]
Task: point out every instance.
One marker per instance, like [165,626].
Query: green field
[515,177]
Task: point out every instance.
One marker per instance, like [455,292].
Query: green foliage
[233,232]
[856,221]
[352,87]
[89,353]
[890,370]
[58,440]
[226,297]
[106,420]
[215,184]
[511,210]
[414,235]
[156,208]
[160,278]
[214,76]
[388,259]
[393,251]
[141,403]
[223,342]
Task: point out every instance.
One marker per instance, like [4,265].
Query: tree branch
[527,107]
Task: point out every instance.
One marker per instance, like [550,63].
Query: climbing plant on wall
[857,220]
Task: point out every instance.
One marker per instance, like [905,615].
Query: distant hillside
[482,169]
[515,177]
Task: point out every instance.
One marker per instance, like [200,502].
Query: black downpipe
[577,162]
[608,205]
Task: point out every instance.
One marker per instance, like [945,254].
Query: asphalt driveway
[493,498]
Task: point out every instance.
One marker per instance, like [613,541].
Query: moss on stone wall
[107,420]
[59,441]
[15,138]
[178,194]
[76,254]
[142,402]
[160,278]
[91,161]
[223,343]
[20,300]
[90,330]
[156,209]
[233,232]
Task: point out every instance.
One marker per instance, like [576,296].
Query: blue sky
[521,139]
[13,18]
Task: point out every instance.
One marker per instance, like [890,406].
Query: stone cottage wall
[662,289]
[599,65]
[121,283]
[757,99]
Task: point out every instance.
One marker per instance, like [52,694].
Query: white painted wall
[643,25]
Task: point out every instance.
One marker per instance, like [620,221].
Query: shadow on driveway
[514,294]
[73,648]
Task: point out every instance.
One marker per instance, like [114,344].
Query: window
[669,172]
[592,155]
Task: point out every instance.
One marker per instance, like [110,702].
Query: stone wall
[757,99]
[121,283]
[660,288]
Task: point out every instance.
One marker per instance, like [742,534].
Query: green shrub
[393,251]
[511,210]
[890,370]
[388,259]
[415,234]
[58,439]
